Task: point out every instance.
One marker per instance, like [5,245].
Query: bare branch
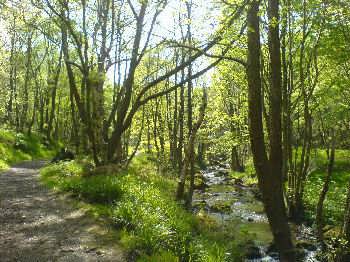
[133,10]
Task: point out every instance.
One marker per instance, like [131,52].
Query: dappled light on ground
[38,225]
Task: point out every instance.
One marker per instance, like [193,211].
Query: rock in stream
[229,202]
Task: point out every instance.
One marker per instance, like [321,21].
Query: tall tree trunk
[114,144]
[269,171]
[236,165]
[175,128]
[11,79]
[343,252]
[181,127]
[75,124]
[53,97]
[35,106]
[322,197]
[190,106]
[189,149]
[25,106]
[139,138]
[346,223]
[83,108]
[285,103]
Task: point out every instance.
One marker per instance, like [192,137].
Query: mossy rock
[199,204]
[199,182]
[300,254]
[221,206]
[305,244]
[222,172]
[252,251]
[206,220]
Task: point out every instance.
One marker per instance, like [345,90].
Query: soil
[37,224]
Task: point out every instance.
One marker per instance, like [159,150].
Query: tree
[269,170]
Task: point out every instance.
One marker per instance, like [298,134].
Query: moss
[17,147]
[199,182]
[222,206]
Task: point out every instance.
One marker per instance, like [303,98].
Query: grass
[17,147]
[336,196]
[335,200]
[249,176]
[152,225]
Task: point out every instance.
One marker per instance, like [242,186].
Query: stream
[235,206]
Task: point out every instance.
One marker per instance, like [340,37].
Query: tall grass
[152,225]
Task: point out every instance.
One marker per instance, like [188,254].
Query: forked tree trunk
[188,152]
[269,170]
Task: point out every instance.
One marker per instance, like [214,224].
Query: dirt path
[39,225]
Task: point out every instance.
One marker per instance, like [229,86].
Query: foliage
[335,201]
[67,176]
[16,147]
[141,203]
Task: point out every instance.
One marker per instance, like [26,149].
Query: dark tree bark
[188,151]
[53,97]
[181,126]
[12,77]
[139,138]
[25,107]
[322,197]
[346,223]
[269,170]
[190,106]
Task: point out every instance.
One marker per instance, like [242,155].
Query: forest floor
[40,225]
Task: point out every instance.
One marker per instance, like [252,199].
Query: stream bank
[237,206]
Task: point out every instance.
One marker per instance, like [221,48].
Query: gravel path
[39,225]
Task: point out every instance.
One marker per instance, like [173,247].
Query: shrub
[153,226]
[69,176]
[20,142]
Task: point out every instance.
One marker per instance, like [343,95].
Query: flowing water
[236,206]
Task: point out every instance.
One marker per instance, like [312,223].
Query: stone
[238,181]
[253,252]
[222,206]
[256,192]
[306,245]
[274,255]
[300,254]
[221,172]
[271,248]
[199,182]
[199,204]
[63,155]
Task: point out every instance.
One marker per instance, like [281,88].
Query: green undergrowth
[152,225]
[335,200]
[17,147]
[336,196]
[249,176]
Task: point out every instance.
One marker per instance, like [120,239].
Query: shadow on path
[39,225]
